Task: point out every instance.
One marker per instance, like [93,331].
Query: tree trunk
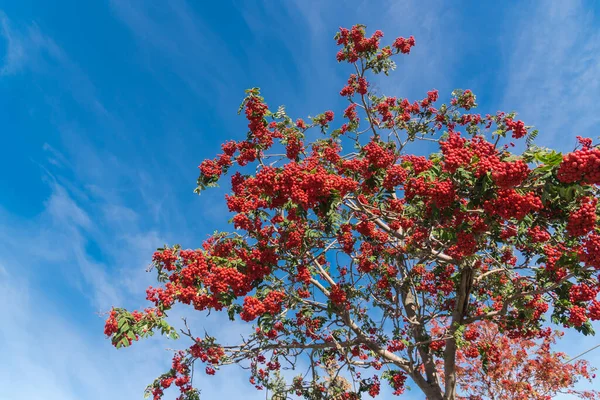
[433,391]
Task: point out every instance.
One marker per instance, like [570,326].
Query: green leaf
[123,343]
[123,324]
[586,329]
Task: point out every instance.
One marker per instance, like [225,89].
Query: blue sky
[108,108]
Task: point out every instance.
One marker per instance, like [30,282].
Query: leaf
[123,323]
[586,329]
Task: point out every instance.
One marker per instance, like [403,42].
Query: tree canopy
[361,264]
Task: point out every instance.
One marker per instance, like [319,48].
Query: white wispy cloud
[553,73]
[56,238]
[15,55]
[89,239]
[47,355]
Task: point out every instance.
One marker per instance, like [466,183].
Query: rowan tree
[351,251]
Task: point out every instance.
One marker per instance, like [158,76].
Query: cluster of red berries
[434,283]
[256,110]
[294,146]
[366,228]
[582,292]
[465,246]
[537,234]
[406,109]
[345,238]
[577,315]
[364,258]
[165,259]
[510,204]
[355,43]
[355,84]
[397,382]
[438,193]
[293,237]
[272,302]
[580,166]
[471,351]
[301,124]
[404,45]
[432,97]
[455,152]
[253,308]
[337,295]
[164,297]
[553,255]
[508,232]
[303,275]
[350,113]
[466,100]
[111,326]
[517,127]
[383,108]
[583,220]
[471,334]
[210,168]
[589,254]
[179,375]
[539,307]
[361,85]
[378,156]
[395,345]
[208,354]
[437,345]
[395,176]
[418,163]
[509,174]
[594,310]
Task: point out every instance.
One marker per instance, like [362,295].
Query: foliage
[373,260]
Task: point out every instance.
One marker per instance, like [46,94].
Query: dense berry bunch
[438,193]
[582,292]
[253,308]
[511,204]
[583,220]
[397,383]
[111,325]
[404,45]
[589,253]
[538,234]
[337,295]
[456,154]
[577,315]
[510,174]
[377,156]
[594,310]
[465,246]
[517,127]
[580,166]
[395,176]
